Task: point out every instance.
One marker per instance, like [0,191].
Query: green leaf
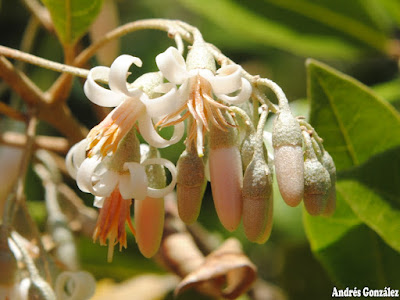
[254,28]
[335,29]
[351,118]
[72,18]
[358,243]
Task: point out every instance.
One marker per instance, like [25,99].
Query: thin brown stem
[41,62]
[12,113]
[51,143]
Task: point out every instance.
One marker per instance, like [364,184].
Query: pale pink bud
[149,223]
[226,183]
[288,158]
[257,200]
[190,185]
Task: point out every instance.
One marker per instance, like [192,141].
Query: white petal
[86,175]
[163,105]
[151,136]
[98,94]
[144,151]
[76,155]
[164,88]
[172,65]
[106,184]
[227,80]
[98,201]
[241,97]
[119,72]
[135,184]
[160,193]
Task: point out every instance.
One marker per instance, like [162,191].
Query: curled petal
[98,201]
[106,184]
[165,104]
[76,155]
[86,175]
[241,97]
[118,73]
[151,136]
[227,80]
[172,65]
[96,93]
[160,193]
[135,184]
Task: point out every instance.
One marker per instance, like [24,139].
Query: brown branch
[20,83]
[51,143]
[12,113]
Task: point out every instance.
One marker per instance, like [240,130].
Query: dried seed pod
[288,153]
[329,165]
[257,200]
[190,185]
[226,176]
[317,181]
[149,212]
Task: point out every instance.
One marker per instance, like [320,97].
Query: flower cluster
[223,145]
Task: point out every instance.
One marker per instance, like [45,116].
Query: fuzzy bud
[288,153]
[128,151]
[148,82]
[190,185]
[199,57]
[226,176]
[149,212]
[317,181]
[257,200]
[329,165]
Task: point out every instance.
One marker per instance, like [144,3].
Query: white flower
[104,138]
[94,176]
[196,95]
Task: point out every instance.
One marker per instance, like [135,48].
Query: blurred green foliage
[359,244]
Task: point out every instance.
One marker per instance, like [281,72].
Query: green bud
[190,186]
[317,181]
[257,200]
[128,151]
[199,57]
[329,165]
[148,82]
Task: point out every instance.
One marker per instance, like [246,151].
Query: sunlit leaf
[254,28]
[72,18]
[362,133]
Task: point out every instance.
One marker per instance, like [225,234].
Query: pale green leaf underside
[72,18]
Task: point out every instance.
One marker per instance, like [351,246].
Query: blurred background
[272,38]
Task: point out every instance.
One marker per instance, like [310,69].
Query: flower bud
[148,82]
[317,181]
[226,176]
[199,57]
[288,153]
[257,200]
[128,151]
[149,212]
[329,165]
[190,185]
